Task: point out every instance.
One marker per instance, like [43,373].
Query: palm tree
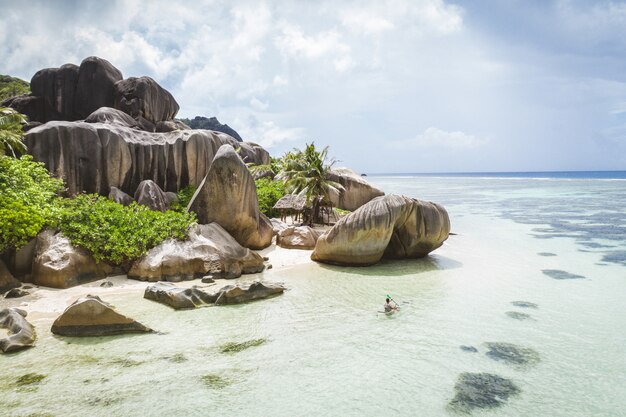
[11,132]
[306,173]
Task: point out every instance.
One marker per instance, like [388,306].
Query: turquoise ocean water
[557,242]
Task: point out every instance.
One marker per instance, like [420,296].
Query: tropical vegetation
[11,133]
[12,86]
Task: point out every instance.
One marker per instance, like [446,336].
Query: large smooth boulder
[57,88]
[300,237]
[59,264]
[150,194]
[21,334]
[93,157]
[176,297]
[356,191]
[95,86]
[391,226]
[243,293]
[144,98]
[90,316]
[208,250]
[211,123]
[7,281]
[120,197]
[111,116]
[227,196]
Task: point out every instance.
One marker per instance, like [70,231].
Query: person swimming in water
[390,308]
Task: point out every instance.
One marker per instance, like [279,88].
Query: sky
[390,86]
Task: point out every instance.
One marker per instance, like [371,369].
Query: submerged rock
[227,196]
[90,316]
[547,254]
[7,281]
[559,274]
[300,237]
[512,354]
[16,293]
[356,191]
[21,332]
[243,293]
[392,226]
[470,349]
[209,249]
[524,304]
[59,264]
[176,297]
[481,390]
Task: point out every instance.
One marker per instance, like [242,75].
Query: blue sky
[391,86]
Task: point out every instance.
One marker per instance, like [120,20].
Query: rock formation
[149,194]
[90,316]
[208,250]
[227,196]
[392,226]
[21,334]
[356,190]
[176,297]
[211,123]
[120,196]
[58,264]
[181,298]
[111,116]
[301,237]
[7,281]
[93,157]
[243,293]
[146,101]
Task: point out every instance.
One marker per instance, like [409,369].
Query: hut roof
[292,202]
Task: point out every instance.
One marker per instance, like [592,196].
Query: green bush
[269,192]
[117,233]
[27,195]
[184,197]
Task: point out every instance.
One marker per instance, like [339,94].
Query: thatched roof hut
[291,202]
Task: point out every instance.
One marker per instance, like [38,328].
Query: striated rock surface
[7,281]
[243,293]
[144,99]
[90,316]
[391,226]
[227,196]
[176,297]
[208,250]
[211,123]
[278,226]
[356,190]
[93,157]
[300,237]
[112,116]
[120,196]
[58,264]
[95,87]
[21,332]
[149,194]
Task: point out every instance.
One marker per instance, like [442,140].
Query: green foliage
[115,233]
[11,87]
[269,192]
[184,197]
[27,194]
[29,379]
[11,132]
[215,381]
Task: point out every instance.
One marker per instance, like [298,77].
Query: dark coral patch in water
[471,349]
[618,257]
[512,354]
[481,390]
[518,316]
[524,304]
[546,254]
[559,274]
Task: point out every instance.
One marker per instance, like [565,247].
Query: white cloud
[258,104]
[266,132]
[437,138]
[293,43]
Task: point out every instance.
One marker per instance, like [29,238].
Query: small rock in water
[465,348]
[207,279]
[106,284]
[546,254]
[269,266]
[265,258]
[559,274]
[27,287]
[16,293]
[481,390]
[518,316]
[512,354]
[524,304]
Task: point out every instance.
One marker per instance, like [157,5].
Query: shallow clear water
[329,351]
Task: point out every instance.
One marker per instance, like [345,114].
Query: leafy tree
[306,173]
[117,233]
[11,132]
[27,197]
[268,193]
[11,87]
